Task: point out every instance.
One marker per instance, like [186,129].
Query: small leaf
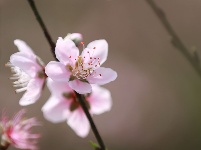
[94,145]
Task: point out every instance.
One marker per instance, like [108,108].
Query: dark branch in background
[42,25]
[79,96]
[192,58]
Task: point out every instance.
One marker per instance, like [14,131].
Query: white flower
[29,72]
[63,105]
[80,71]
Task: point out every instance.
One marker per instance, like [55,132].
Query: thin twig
[80,97]
[176,41]
[42,25]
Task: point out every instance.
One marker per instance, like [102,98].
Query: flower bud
[75,37]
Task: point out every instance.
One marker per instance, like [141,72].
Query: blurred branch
[193,59]
[80,97]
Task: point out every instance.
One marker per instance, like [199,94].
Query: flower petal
[100,100]
[27,65]
[102,76]
[97,49]
[23,47]
[58,88]
[56,110]
[66,51]
[79,123]
[33,92]
[80,87]
[57,71]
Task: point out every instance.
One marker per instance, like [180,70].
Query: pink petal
[80,87]
[57,71]
[56,110]
[100,100]
[58,88]
[97,49]
[102,76]
[66,51]
[79,123]
[23,47]
[33,92]
[24,63]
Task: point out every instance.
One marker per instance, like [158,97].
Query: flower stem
[42,25]
[193,59]
[80,97]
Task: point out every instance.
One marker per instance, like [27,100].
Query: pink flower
[17,131]
[63,105]
[29,72]
[80,71]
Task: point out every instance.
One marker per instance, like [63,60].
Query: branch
[42,25]
[93,126]
[176,41]
[80,97]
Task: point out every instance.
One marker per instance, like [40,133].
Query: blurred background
[157,95]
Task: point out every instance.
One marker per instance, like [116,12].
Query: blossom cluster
[72,73]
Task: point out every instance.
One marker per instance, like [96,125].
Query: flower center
[85,65]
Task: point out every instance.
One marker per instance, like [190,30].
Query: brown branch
[193,59]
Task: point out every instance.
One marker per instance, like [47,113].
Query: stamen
[22,79]
[8,64]
[83,45]
[21,90]
[84,67]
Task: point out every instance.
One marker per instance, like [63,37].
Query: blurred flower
[29,72]
[16,131]
[63,105]
[80,71]
[75,37]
